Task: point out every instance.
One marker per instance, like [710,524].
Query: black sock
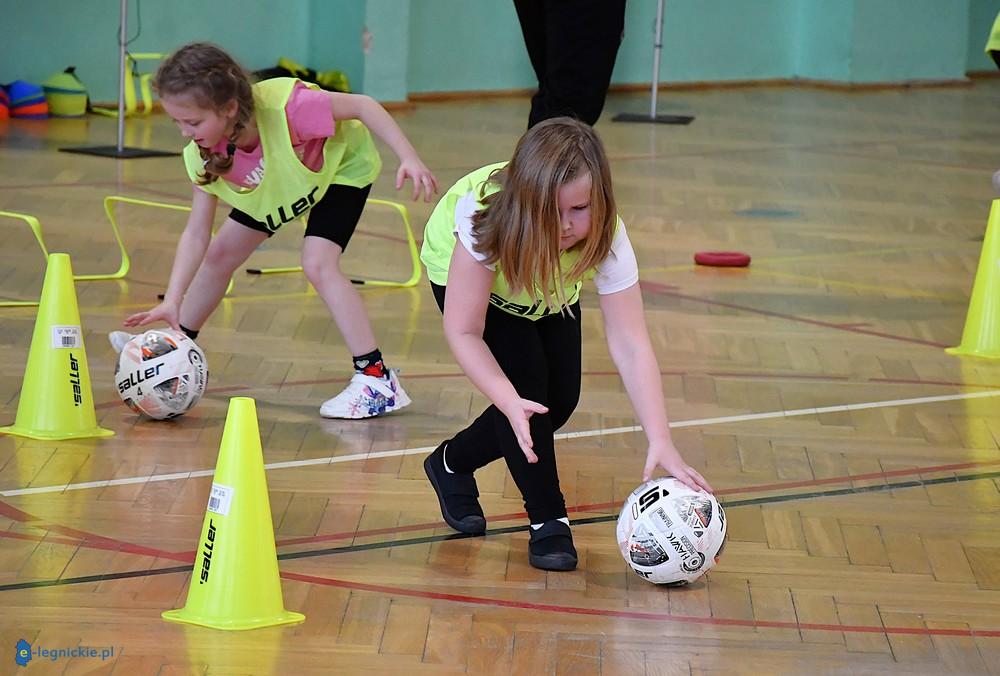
[371,364]
[190,333]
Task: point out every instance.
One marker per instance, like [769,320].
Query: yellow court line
[283,295]
[762,263]
[913,293]
[843,254]
[757,262]
[888,290]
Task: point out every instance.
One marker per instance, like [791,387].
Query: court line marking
[702,422]
[94,541]
[670,291]
[566,609]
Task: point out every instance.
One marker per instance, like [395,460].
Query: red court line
[11,535]
[91,184]
[907,160]
[90,540]
[101,542]
[210,390]
[601,374]
[181,200]
[601,506]
[595,612]
[860,477]
[946,383]
[596,374]
[664,291]
[639,615]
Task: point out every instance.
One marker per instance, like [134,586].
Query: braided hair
[213,79]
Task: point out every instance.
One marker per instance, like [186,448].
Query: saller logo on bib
[297,208]
[516,308]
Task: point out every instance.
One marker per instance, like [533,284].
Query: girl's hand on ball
[165,311]
[666,456]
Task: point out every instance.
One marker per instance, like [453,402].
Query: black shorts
[334,217]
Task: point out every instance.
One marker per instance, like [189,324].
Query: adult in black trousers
[572,45]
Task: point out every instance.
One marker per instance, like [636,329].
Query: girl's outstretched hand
[423,180]
[665,455]
[518,413]
[165,311]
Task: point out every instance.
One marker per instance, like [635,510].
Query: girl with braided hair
[274,151]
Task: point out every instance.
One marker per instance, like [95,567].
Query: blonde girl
[506,250]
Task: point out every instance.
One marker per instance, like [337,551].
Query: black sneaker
[457,494]
[551,547]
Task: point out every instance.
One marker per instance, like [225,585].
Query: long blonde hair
[212,78]
[519,225]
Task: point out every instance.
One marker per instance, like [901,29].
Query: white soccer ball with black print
[161,373]
[669,533]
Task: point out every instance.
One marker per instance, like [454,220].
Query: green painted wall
[466,45]
[708,41]
[387,49]
[824,31]
[900,40]
[41,38]
[336,29]
[469,45]
[981,16]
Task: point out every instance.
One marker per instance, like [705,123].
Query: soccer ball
[669,533]
[161,373]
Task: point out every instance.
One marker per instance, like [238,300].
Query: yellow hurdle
[410,242]
[109,209]
[415,268]
[36,229]
[145,86]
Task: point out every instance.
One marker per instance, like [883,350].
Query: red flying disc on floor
[722,259]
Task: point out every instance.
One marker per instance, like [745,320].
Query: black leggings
[542,360]
[334,217]
[572,45]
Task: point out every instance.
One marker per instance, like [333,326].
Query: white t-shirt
[615,273]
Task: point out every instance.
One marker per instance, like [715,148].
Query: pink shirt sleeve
[310,114]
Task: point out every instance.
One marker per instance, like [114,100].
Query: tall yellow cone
[981,336]
[235,582]
[56,399]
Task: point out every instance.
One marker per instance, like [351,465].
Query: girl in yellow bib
[276,151]
[506,250]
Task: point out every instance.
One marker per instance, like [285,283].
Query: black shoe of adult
[457,494]
[551,547]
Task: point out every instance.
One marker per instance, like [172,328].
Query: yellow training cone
[56,400]
[235,582]
[981,337]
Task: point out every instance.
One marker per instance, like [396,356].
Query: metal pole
[123,14]
[119,151]
[655,88]
[657,50]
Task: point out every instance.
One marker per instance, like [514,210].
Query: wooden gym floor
[858,461]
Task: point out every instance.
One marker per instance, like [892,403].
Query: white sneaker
[119,339]
[366,397]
